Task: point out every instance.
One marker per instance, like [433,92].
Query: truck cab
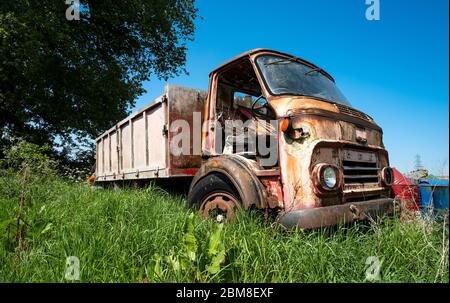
[280,136]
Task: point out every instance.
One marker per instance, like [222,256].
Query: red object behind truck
[405,190]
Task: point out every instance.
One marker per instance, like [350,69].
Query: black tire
[208,185]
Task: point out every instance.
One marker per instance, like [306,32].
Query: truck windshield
[286,76]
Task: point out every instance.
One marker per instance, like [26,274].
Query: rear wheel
[215,197]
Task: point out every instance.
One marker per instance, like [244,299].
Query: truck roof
[268,51]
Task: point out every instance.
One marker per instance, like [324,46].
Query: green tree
[64,81]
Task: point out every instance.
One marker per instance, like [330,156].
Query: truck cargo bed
[138,147]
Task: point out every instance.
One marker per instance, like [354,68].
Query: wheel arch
[239,174]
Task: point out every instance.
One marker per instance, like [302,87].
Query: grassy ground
[147,234]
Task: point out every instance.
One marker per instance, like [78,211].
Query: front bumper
[337,214]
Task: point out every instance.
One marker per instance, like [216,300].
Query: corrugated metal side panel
[106,155]
[156,141]
[139,148]
[135,148]
[114,152]
[125,147]
[99,159]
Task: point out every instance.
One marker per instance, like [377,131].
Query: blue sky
[394,69]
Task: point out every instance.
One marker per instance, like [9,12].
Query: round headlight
[387,176]
[326,177]
[329,177]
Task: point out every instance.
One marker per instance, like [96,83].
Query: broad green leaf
[216,251]
[190,241]
[215,240]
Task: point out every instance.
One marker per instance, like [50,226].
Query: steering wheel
[255,110]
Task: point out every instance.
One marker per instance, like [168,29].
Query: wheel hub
[219,206]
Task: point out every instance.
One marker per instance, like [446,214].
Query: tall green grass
[132,235]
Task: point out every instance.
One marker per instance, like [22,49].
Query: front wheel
[215,197]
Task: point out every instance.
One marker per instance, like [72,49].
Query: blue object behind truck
[434,194]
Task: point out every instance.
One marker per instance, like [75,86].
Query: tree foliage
[68,80]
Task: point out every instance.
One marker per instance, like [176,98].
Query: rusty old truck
[301,153]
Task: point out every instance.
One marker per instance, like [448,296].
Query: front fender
[240,174]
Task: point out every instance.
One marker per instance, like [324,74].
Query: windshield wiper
[284,60]
[316,69]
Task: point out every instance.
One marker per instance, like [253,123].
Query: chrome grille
[358,172]
[360,167]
